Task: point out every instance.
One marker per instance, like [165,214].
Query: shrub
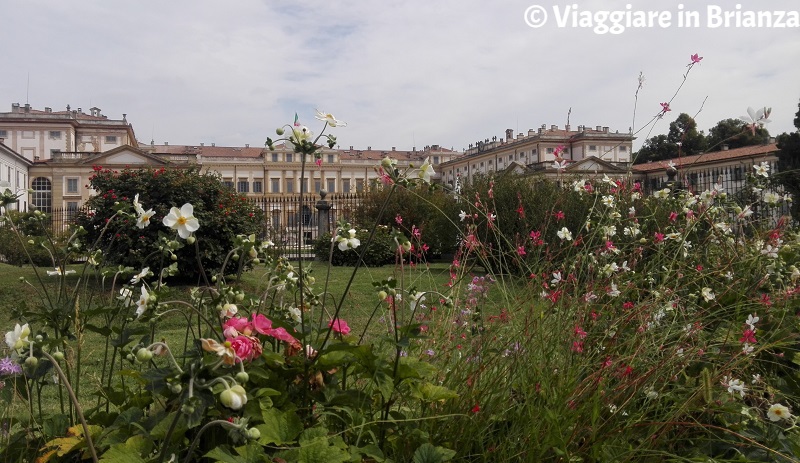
[381,250]
[222,213]
[33,230]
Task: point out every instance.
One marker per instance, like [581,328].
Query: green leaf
[428,453]
[129,452]
[279,427]
[317,447]
[220,454]
[101,330]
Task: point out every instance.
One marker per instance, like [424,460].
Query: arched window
[42,194]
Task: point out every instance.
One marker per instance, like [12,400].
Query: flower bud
[234,398]
[58,355]
[242,377]
[187,409]
[253,253]
[173,257]
[191,239]
[31,242]
[236,257]
[382,295]
[253,433]
[256,261]
[31,362]
[279,131]
[175,388]
[240,296]
[144,355]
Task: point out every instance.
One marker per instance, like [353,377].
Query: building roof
[711,157]
[5,149]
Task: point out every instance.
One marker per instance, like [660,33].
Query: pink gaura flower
[318,162]
[748,336]
[658,237]
[339,326]
[398,219]
[521,250]
[665,108]
[696,58]
[577,346]
[559,215]
[579,332]
[673,216]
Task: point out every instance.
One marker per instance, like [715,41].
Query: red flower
[696,58]
[748,336]
[476,408]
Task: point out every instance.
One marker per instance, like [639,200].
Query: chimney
[544,126]
[772,139]
[541,130]
[247,145]
[369,148]
[392,148]
[605,129]
[520,135]
[213,145]
[80,111]
[351,147]
[27,108]
[166,143]
[509,134]
[530,132]
[725,147]
[566,127]
[553,127]
[48,110]
[202,144]
[581,128]
[14,107]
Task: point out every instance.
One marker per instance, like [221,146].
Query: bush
[222,214]
[431,210]
[381,250]
[30,227]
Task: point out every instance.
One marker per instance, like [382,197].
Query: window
[72,209]
[228,183]
[54,152]
[331,185]
[317,185]
[55,135]
[592,148]
[257,186]
[510,157]
[42,194]
[28,134]
[436,159]
[623,149]
[243,186]
[274,157]
[290,185]
[346,185]
[111,139]
[330,158]
[289,157]
[304,185]
[3,133]
[550,150]
[359,185]
[275,185]
[72,185]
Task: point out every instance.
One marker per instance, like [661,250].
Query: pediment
[593,164]
[127,156]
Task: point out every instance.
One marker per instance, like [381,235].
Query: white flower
[777,412]
[136,206]
[662,194]
[426,171]
[417,298]
[565,234]
[463,215]
[610,181]
[747,349]
[228,310]
[772,198]
[707,294]
[329,119]
[608,201]
[770,251]
[751,321]
[138,277]
[723,227]
[349,242]
[613,292]
[182,220]
[233,398]
[300,134]
[560,165]
[746,212]
[18,338]
[143,219]
[556,278]
[294,313]
[59,271]
[125,296]
[762,169]
[756,118]
[141,304]
[734,385]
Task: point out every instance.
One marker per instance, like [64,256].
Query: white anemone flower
[426,171]
[300,134]
[138,277]
[756,118]
[565,234]
[777,412]
[463,215]
[143,219]
[18,338]
[58,271]
[349,242]
[141,304]
[182,220]
[328,117]
[762,169]
[136,205]
[708,294]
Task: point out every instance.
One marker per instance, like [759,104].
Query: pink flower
[246,348]
[235,326]
[659,237]
[664,108]
[339,326]
[399,219]
[262,324]
[673,216]
[579,332]
[696,58]
[521,250]
[577,346]
[559,215]
[318,162]
[282,335]
[748,336]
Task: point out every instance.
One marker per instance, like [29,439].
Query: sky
[401,73]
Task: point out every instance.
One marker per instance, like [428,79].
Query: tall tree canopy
[683,139]
[736,134]
[788,175]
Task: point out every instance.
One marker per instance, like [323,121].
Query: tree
[221,212]
[735,134]
[788,175]
[683,139]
